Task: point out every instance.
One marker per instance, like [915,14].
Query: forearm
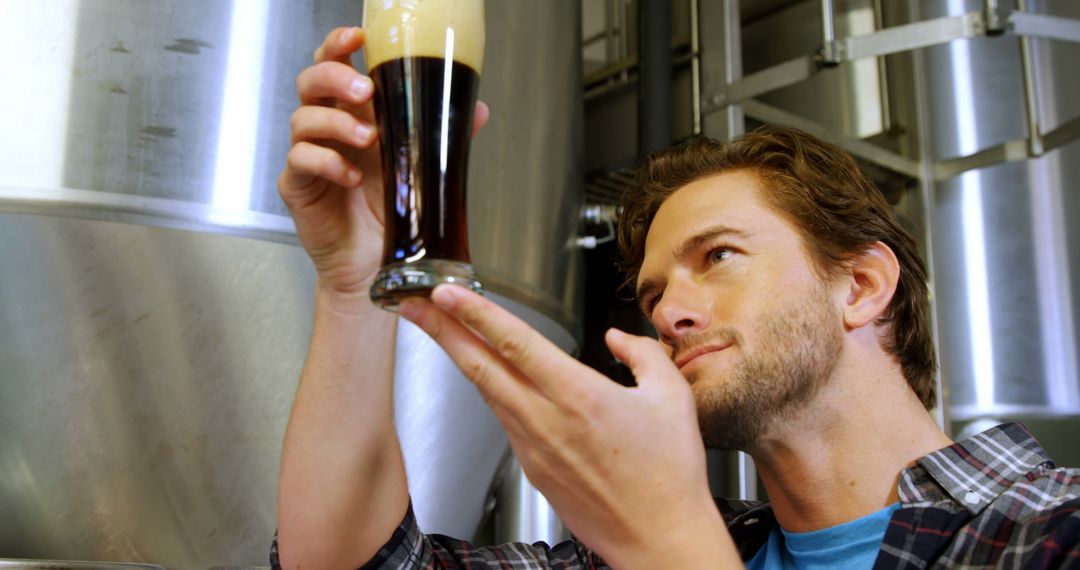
[342,488]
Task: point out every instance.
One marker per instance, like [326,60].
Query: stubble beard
[798,348]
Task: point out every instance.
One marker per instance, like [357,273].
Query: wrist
[350,337]
[700,540]
[352,303]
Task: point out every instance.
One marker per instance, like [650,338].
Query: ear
[872,284]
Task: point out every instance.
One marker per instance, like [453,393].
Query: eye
[649,304]
[719,254]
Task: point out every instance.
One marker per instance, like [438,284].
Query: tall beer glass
[425,58]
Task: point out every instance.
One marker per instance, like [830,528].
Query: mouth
[684,359]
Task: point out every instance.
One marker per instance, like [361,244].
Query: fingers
[514,400]
[500,385]
[331,80]
[333,76]
[333,95]
[308,162]
[645,357]
[552,371]
[480,117]
[311,123]
[339,45]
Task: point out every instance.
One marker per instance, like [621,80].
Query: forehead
[731,199]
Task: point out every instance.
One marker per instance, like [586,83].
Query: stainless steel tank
[154,307]
[1004,249]
[850,99]
[1005,245]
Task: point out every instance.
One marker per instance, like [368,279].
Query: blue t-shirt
[853,544]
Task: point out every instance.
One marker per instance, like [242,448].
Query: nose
[682,311]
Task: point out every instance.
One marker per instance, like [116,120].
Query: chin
[708,390]
[709,373]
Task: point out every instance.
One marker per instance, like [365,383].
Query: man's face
[734,297]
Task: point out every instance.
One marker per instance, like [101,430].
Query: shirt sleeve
[410,549]
[1058,545]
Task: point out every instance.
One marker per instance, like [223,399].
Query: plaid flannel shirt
[994,500]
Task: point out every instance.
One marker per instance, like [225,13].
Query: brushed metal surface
[522,513]
[526,172]
[147,377]
[1005,250]
[848,99]
[146,371]
[177,114]
[186,102]
[72,565]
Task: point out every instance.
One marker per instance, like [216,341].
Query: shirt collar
[975,471]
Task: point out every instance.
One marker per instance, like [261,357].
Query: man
[793,318]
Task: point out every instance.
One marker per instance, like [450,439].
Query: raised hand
[332,181]
[623,467]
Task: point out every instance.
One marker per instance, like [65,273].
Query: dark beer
[425,59]
[425,114]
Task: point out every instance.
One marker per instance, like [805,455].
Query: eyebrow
[685,248]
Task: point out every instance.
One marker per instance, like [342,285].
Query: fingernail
[353,177]
[345,35]
[360,88]
[363,133]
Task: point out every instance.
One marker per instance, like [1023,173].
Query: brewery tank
[1005,255]
[154,306]
[1006,258]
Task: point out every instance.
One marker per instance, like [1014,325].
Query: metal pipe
[928,195]
[733,116]
[695,66]
[883,71]
[590,40]
[721,54]
[622,46]
[829,55]
[995,25]
[1031,101]
[654,88]
[610,27]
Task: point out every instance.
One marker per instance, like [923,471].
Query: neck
[841,457]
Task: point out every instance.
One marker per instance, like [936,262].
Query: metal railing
[990,21]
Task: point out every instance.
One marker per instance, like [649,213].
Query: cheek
[744,300]
[735,307]
[735,290]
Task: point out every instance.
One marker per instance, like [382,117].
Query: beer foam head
[397,29]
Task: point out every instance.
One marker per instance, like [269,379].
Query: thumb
[480,117]
[645,357]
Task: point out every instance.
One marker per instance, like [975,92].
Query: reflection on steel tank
[1006,263]
[1006,260]
[154,306]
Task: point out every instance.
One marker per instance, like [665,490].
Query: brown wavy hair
[837,210]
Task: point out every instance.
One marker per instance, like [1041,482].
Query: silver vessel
[154,306]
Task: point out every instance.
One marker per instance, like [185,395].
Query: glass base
[399,280]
